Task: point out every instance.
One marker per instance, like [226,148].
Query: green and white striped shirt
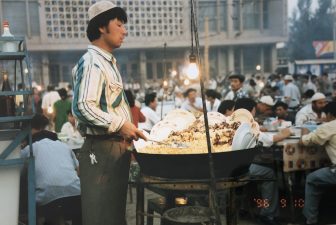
[99,102]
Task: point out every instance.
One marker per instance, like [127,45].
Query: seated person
[69,128]
[264,108]
[192,103]
[213,101]
[312,112]
[281,111]
[149,111]
[57,182]
[269,189]
[226,107]
[324,135]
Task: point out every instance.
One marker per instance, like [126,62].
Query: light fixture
[26,71]
[165,83]
[173,73]
[258,67]
[192,70]
[186,82]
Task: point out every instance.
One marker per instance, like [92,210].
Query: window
[149,71]
[251,58]
[251,14]
[207,9]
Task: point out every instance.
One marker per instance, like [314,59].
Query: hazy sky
[293,3]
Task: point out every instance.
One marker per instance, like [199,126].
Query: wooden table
[188,186]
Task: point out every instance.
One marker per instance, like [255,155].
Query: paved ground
[328,215]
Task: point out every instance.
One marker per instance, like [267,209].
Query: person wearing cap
[264,108]
[237,91]
[317,181]
[104,118]
[312,112]
[291,92]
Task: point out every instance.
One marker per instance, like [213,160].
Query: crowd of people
[98,109]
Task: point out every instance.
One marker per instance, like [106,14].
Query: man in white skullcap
[313,111]
[292,95]
[104,118]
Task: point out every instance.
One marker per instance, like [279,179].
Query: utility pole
[206,50]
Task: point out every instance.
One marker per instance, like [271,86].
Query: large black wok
[196,166]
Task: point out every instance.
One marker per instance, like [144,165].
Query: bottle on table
[7,103]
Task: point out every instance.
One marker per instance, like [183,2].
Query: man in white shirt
[69,128]
[192,103]
[56,167]
[292,94]
[213,101]
[324,135]
[149,112]
[312,112]
[47,105]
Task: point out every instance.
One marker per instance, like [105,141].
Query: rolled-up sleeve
[319,137]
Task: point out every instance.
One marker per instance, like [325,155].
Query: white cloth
[71,131]
[324,135]
[215,106]
[49,99]
[309,86]
[292,93]
[229,96]
[55,168]
[187,105]
[306,114]
[151,118]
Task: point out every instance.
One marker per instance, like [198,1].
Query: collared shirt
[292,93]
[55,168]
[241,93]
[214,107]
[99,102]
[306,114]
[188,106]
[49,99]
[151,118]
[324,135]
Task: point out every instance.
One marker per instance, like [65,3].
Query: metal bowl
[229,164]
[187,215]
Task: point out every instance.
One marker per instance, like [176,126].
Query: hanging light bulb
[258,67]
[173,73]
[192,70]
[165,83]
[186,82]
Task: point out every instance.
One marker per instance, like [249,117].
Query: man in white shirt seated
[292,93]
[69,128]
[269,189]
[213,100]
[312,112]
[192,103]
[149,112]
[324,135]
[57,183]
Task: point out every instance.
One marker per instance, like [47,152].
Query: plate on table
[242,137]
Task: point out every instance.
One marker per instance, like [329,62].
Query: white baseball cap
[99,8]
[268,100]
[318,96]
[288,77]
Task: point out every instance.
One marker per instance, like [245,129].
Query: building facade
[241,35]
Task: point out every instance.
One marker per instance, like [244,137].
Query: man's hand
[130,132]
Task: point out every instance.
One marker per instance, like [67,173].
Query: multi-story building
[242,34]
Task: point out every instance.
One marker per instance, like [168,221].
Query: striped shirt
[99,102]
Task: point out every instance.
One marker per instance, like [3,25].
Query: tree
[307,26]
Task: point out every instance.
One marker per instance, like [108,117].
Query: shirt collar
[107,55]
